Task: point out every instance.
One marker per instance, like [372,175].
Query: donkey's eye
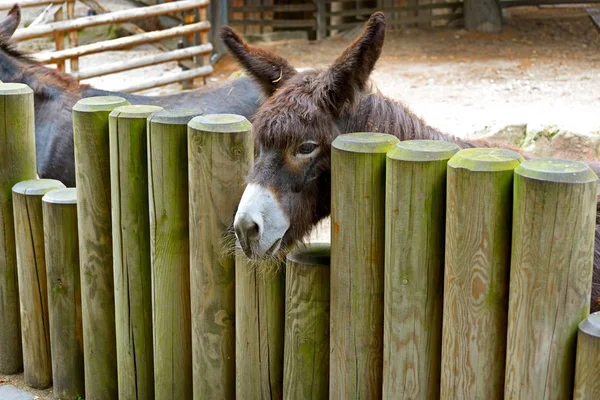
[307,148]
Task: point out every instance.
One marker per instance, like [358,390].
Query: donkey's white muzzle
[260,222]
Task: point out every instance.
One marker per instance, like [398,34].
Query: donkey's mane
[39,77]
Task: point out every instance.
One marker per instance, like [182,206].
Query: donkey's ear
[9,24]
[350,72]
[266,67]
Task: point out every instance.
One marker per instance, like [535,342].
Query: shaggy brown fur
[316,106]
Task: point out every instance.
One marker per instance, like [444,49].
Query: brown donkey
[288,190]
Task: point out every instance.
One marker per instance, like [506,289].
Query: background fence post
[587,366]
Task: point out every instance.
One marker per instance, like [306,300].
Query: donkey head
[288,189]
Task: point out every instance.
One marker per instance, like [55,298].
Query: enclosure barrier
[92,174]
[59,208]
[31,270]
[131,250]
[414,267]
[17,152]
[259,330]
[170,255]
[220,155]
[587,367]
[478,236]
[306,346]
[551,273]
[173,172]
[357,260]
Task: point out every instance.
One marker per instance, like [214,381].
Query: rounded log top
[220,123]
[61,196]
[557,170]
[365,142]
[486,159]
[7,89]
[591,325]
[174,117]
[37,187]
[134,111]
[423,150]
[99,103]
[311,254]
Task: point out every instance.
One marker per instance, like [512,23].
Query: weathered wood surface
[64,293]
[483,15]
[17,163]
[415,218]
[357,264]
[259,324]
[170,255]
[587,366]
[478,238]
[550,276]
[131,250]
[92,174]
[220,151]
[306,344]
[31,269]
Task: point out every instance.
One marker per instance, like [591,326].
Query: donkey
[288,189]
[55,93]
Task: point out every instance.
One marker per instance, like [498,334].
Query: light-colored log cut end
[174,117]
[99,103]
[61,196]
[556,170]
[486,159]
[221,123]
[37,187]
[423,150]
[134,111]
[365,142]
[8,89]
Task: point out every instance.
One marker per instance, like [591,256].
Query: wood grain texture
[478,237]
[357,264]
[31,269]
[587,366]
[131,250]
[17,163]
[220,150]
[92,174]
[415,218]
[306,345]
[64,293]
[170,254]
[551,276]
[259,332]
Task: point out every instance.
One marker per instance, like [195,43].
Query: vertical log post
[92,173]
[59,39]
[415,218]
[64,293]
[259,331]
[31,266]
[550,277]
[306,346]
[131,250]
[478,237]
[220,155]
[587,366]
[170,256]
[17,163]
[483,15]
[357,264]
[73,37]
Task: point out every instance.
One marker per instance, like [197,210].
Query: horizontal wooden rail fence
[109,18]
[7,5]
[440,258]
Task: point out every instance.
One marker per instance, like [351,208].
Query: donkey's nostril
[253,230]
[247,231]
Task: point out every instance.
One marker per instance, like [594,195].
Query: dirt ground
[544,68]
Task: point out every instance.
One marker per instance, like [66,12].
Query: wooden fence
[451,258]
[193,57]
